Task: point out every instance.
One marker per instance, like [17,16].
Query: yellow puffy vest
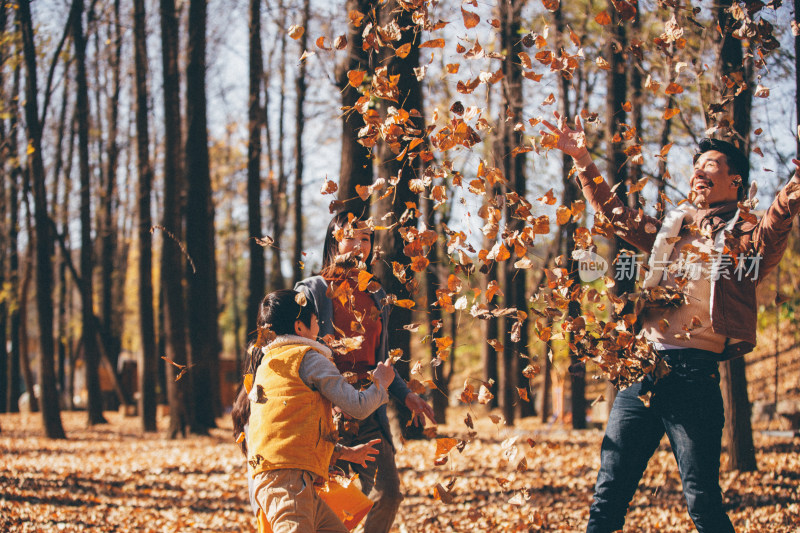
[293,427]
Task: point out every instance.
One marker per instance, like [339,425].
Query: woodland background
[165,164]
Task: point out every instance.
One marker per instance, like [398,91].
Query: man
[714,255]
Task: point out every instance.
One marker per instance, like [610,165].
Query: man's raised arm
[628,224]
[772,233]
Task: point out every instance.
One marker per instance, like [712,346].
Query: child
[291,433]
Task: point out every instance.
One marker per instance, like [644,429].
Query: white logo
[590,265]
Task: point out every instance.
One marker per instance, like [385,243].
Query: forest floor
[114,478]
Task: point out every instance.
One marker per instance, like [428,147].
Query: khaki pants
[291,505]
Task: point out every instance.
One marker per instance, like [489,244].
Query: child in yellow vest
[291,434]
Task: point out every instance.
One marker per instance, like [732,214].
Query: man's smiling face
[711,183]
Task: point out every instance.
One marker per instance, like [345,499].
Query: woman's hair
[278,312]
[347,220]
[240,414]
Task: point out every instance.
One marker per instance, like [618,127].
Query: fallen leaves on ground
[532,477]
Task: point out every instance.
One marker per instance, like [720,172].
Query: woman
[346,314]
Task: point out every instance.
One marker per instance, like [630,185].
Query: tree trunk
[61,325]
[202,287]
[51,413]
[66,296]
[391,242]
[278,187]
[107,234]
[491,326]
[738,432]
[172,260]
[90,350]
[257,282]
[22,321]
[616,168]
[356,166]
[5,231]
[433,280]
[515,351]
[148,370]
[13,385]
[577,370]
[637,101]
[547,382]
[300,89]
[491,330]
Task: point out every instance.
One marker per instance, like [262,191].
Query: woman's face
[356,241]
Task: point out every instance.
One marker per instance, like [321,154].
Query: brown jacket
[734,309]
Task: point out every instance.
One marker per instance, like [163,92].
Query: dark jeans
[380,480]
[687,406]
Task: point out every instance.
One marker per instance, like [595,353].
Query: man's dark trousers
[687,405]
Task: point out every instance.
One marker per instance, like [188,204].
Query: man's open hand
[570,141]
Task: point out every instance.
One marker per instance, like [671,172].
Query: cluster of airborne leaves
[430,147]
[604,330]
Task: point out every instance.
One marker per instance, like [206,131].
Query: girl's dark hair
[276,316]
[280,310]
[343,219]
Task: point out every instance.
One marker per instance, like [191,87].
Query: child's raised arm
[361,454]
[321,374]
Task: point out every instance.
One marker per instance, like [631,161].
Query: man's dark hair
[280,309]
[736,160]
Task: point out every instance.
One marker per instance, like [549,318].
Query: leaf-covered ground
[113,478]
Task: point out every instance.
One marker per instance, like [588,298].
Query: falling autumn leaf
[530,371]
[329,187]
[265,241]
[563,214]
[603,18]
[549,198]
[182,368]
[444,445]
[551,5]
[364,278]
[761,92]
[671,112]
[433,43]
[470,19]
[673,88]
[356,17]
[355,77]
[484,395]
[403,51]
[295,32]
[406,304]
[321,43]
[626,10]
[441,493]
